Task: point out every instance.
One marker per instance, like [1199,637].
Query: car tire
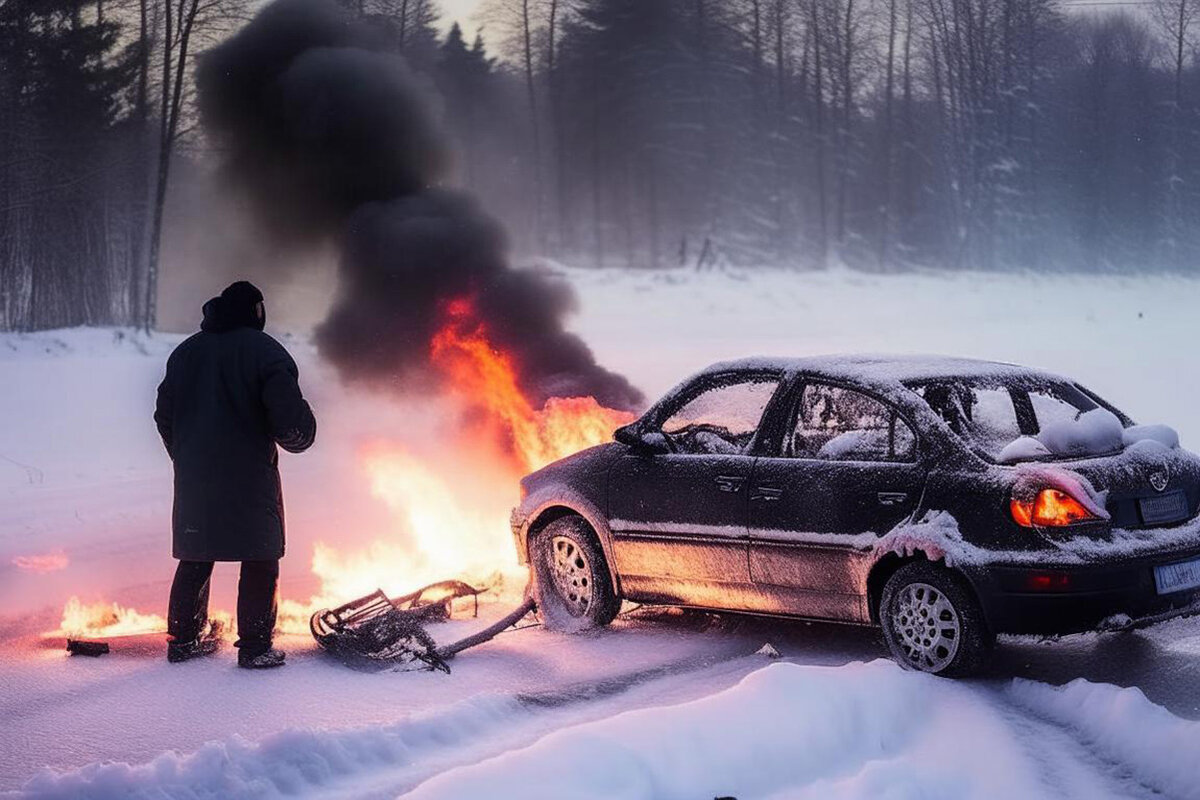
[571,586]
[932,621]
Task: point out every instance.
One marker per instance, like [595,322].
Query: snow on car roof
[885,370]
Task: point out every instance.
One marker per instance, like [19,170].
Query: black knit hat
[237,307]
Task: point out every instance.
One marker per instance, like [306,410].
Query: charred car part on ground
[946,500]
[376,632]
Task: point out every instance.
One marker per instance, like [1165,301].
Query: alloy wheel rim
[927,627]
[572,575]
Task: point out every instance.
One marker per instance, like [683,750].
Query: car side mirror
[646,443]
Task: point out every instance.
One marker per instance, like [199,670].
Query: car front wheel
[572,586]
[932,621]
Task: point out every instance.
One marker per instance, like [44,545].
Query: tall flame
[487,378]
[451,511]
[452,517]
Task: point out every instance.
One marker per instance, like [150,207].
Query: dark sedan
[946,500]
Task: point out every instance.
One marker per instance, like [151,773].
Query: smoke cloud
[330,136]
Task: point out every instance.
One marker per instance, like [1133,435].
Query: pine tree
[465,79]
[66,82]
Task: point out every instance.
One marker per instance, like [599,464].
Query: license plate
[1177,577]
[1170,507]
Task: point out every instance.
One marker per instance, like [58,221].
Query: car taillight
[1051,508]
[1042,581]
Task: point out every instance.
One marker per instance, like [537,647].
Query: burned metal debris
[378,633]
[82,647]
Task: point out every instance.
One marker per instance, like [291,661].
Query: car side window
[723,418]
[838,424]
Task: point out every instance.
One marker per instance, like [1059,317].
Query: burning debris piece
[101,621]
[377,633]
[77,647]
[372,633]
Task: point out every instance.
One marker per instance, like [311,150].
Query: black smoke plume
[329,134]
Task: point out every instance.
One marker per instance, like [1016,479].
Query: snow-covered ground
[659,705]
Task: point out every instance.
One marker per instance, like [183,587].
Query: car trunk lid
[1147,485]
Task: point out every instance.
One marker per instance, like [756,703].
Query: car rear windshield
[991,415]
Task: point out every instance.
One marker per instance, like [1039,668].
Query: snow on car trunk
[1146,485]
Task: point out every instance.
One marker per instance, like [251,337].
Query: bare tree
[817,37]
[188,26]
[1176,20]
[886,215]
[528,33]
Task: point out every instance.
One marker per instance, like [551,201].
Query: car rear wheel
[932,621]
[571,585]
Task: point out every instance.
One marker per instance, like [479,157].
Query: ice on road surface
[667,704]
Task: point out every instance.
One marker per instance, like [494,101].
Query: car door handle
[767,493]
[892,498]
[729,483]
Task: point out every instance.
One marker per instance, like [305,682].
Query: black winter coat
[229,396]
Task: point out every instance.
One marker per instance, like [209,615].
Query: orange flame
[452,517]
[451,514]
[487,378]
[106,620]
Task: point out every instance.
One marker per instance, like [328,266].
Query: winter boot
[205,645]
[186,651]
[266,659]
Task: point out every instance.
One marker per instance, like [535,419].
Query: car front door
[846,471]
[678,517]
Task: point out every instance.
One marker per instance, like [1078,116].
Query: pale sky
[462,12]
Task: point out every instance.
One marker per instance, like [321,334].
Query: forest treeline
[879,134]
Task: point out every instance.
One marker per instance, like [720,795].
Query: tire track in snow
[553,710]
[1069,764]
[384,761]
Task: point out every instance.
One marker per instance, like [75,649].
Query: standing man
[231,394]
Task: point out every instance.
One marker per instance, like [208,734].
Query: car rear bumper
[1072,599]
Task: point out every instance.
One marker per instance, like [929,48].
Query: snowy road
[131,707]
[82,481]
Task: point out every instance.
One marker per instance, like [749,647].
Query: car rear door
[678,518]
[846,471]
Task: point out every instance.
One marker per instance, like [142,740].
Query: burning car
[945,500]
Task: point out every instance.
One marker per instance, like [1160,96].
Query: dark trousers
[256,605]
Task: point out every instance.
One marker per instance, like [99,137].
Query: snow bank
[85,342]
[859,731]
[1123,726]
[289,764]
